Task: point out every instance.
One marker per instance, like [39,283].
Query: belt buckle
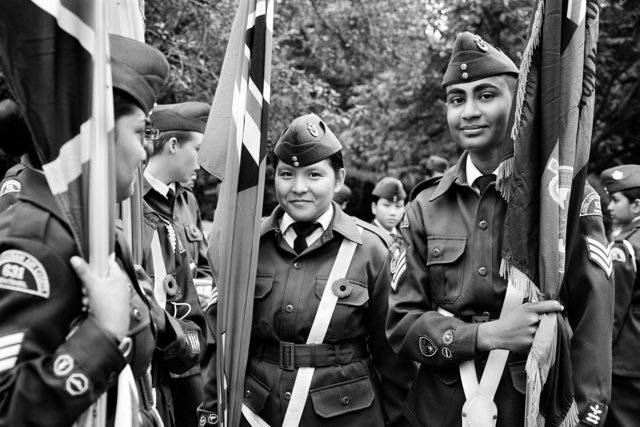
[483,318]
[287,356]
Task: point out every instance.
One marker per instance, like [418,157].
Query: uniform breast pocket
[351,307]
[193,233]
[261,314]
[446,267]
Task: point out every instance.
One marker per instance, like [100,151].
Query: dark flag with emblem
[553,118]
[234,150]
[54,55]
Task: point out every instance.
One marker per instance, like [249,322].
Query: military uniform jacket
[452,260]
[367,392]
[54,360]
[185,351]
[625,252]
[189,225]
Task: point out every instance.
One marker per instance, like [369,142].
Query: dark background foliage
[372,70]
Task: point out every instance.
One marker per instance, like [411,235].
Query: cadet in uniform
[55,359]
[623,184]
[447,280]
[356,378]
[172,210]
[388,205]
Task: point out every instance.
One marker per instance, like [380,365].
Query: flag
[545,179]
[55,55]
[234,149]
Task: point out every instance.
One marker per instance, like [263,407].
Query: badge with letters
[591,205]
[22,272]
[10,186]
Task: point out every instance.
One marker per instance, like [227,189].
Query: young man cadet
[388,205]
[448,292]
[180,130]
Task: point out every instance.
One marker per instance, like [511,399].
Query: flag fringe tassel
[525,67]
[503,178]
[519,281]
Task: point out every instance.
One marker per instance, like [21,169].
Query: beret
[474,59]
[621,178]
[389,188]
[306,141]
[342,195]
[437,164]
[137,69]
[186,116]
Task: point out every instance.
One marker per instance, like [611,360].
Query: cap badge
[617,175]
[313,129]
[482,45]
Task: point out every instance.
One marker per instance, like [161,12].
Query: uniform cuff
[463,342]
[207,418]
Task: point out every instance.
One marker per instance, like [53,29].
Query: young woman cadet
[314,255]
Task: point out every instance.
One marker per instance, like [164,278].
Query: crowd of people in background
[419,301]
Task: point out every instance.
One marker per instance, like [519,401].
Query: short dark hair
[631,193]
[123,104]
[180,135]
[335,161]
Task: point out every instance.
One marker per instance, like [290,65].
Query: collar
[473,173]
[158,185]
[324,220]
[340,223]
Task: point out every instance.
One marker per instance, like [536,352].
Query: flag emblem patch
[22,272]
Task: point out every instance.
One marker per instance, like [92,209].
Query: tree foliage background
[372,70]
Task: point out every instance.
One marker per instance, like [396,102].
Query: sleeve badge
[427,346]
[398,268]
[599,254]
[22,272]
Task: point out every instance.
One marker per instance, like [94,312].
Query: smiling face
[306,192]
[478,114]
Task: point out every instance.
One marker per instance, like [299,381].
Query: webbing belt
[159,271]
[316,336]
[496,361]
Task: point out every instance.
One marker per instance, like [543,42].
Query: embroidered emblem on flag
[400,268]
[9,348]
[22,272]
[599,254]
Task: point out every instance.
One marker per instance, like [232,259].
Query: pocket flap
[192,232]
[444,250]
[342,398]
[264,283]
[349,292]
[256,393]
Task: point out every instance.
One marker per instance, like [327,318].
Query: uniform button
[296,164]
[465,75]
[136,314]
[287,395]
[247,393]
[482,271]
[297,265]
[435,252]
[463,67]
[483,224]
[294,158]
[289,308]
[346,400]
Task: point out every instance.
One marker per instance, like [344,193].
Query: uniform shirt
[366,392]
[289,233]
[452,260]
[54,360]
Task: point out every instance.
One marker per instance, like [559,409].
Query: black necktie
[302,229]
[171,197]
[483,182]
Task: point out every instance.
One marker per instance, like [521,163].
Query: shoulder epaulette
[386,237]
[429,182]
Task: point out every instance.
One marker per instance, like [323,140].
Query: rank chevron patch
[600,254]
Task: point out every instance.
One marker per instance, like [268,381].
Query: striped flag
[234,150]
[54,54]
[553,117]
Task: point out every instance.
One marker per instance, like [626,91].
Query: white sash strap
[159,271]
[496,360]
[318,332]
[128,400]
